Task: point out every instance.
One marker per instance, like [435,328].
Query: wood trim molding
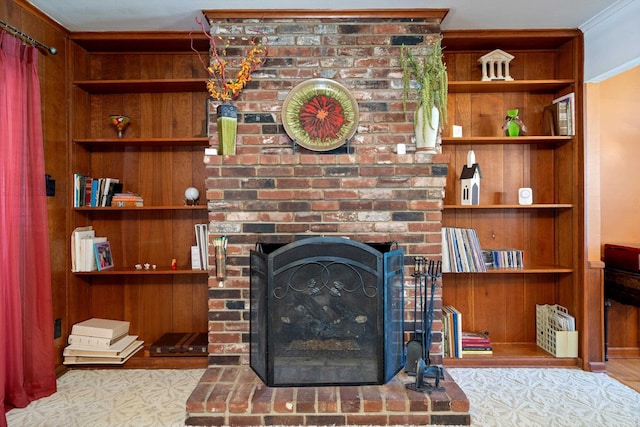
[309,13]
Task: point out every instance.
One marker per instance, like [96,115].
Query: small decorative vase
[426,136]
[227,116]
[120,122]
[513,125]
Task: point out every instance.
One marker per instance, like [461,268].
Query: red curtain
[27,366]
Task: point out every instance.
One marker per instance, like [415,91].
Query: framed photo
[104,259]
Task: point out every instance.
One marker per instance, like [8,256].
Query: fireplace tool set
[418,362]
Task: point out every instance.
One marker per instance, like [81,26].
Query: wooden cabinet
[159,82]
[547,64]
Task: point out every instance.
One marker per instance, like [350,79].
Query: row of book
[100,341]
[458,343]
[200,252]
[461,251]
[88,252]
[505,258]
[98,192]
[452,331]
[559,117]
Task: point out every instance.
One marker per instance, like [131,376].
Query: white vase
[426,136]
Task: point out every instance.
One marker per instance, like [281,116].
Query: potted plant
[430,75]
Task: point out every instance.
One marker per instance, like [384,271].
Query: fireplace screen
[326,311]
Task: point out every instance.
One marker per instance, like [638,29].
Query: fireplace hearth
[326,311]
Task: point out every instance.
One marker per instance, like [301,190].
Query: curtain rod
[28,39]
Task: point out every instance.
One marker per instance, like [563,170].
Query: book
[114,187]
[471,352]
[88,259]
[556,119]
[195,258]
[114,350]
[106,188]
[181,344]
[461,251]
[569,101]
[92,342]
[93,360]
[76,246]
[101,328]
[202,244]
[453,319]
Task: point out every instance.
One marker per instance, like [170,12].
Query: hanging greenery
[430,75]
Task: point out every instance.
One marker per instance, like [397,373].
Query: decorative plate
[320,114]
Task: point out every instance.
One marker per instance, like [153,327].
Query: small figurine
[470,181]
[191,196]
[514,126]
[495,66]
[174,264]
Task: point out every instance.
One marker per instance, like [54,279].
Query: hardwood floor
[627,371]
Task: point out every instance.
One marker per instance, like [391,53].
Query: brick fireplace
[269,192]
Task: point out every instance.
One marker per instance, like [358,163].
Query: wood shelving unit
[547,64]
[159,82]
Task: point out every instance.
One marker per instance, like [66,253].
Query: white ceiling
[179,15]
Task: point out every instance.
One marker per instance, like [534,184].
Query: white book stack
[100,341]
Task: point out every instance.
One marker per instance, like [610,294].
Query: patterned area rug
[499,397]
[547,397]
[113,398]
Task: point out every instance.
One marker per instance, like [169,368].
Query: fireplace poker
[416,344]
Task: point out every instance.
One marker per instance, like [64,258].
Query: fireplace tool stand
[423,365]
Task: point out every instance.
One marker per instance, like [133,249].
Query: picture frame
[104,258]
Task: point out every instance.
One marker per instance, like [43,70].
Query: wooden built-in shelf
[542,86]
[512,355]
[142,86]
[141,41]
[198,141]
[514,206]
[132,271]
[142,208]
[538,269]
[503,140]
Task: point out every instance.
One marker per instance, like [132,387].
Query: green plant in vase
[430,75]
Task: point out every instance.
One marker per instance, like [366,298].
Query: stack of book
[100,341]
[127,200]
[476,343]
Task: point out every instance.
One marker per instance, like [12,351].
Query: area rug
[498,397]
[113,398]
[547,397]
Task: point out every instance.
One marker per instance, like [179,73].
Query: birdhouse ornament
[470,181]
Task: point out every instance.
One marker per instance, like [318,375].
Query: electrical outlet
[57,328]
